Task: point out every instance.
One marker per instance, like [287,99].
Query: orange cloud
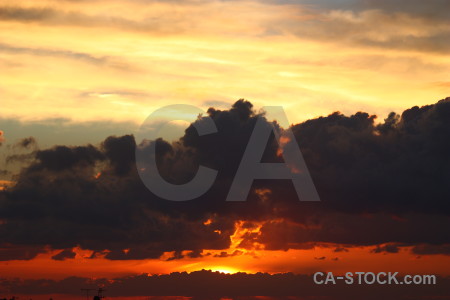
[2,138]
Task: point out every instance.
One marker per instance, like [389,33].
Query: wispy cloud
[57,53]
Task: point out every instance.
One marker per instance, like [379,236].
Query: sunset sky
[84,75]
[119,60]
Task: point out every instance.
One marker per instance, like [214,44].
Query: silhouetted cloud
[26,143]
[389,248]
[19,252]
[379,184]
[427,249]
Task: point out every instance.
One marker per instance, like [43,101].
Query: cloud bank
[379,183]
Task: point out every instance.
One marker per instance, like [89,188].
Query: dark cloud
[395,166]
[19,252]
[226,254]
[4,172]
[26,143]
[379,184]
[120,152]
[389,248]
[61,158]
[340,249]
[354,229]
[19,158]
[427,249]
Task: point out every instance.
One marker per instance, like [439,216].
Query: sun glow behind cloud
[225,270]
[239,257]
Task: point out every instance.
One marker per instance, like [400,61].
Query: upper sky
[121,59]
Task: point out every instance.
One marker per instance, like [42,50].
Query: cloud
[351,229]
[226,254]
[58,17]
[4,172]
[62,158]
[390,166]
[19,252]
[418,26]
[340,249]
[381,24]
[26,143]
[366,173]
[107,61]
[428,249]
[51,52]
[432,9]
[389,248]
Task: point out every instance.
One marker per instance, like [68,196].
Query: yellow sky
[120,60]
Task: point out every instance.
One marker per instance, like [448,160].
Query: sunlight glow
[225,270]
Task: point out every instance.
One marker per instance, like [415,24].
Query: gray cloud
[413,25]
[433,9]
[26,143]
[108,61]
[52,17]
[417,25]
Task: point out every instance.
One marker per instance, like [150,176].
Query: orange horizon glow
[272,262]
[320,257]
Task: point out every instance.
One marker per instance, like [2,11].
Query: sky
[360,82]
[120,60]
